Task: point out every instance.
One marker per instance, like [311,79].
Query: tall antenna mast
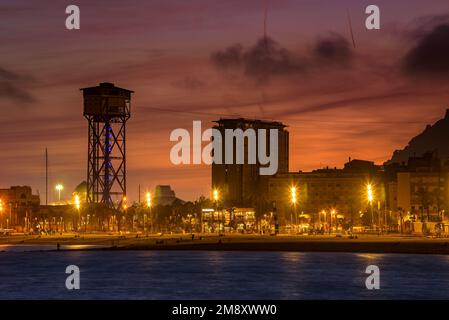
[265,23]
[46,177]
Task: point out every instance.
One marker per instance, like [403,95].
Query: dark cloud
[12,86]
[430,55]
[190,83]
[267,58]
[260,62]
[421,26]
[334,49]
[230,57]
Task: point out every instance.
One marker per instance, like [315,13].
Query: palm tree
[259,201]
[424,197]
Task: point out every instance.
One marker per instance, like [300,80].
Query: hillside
[433,138]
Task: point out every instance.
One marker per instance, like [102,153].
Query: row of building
[360,193]
[22,210]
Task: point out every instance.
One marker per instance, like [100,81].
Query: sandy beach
[363,243]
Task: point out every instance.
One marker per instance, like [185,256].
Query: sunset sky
[201,60]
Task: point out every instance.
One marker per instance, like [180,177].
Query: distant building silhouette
[164,195]
[81,191]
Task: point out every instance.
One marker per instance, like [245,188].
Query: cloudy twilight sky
[203,59]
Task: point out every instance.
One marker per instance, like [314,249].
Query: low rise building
[325,194]
[420,188]
[18,202]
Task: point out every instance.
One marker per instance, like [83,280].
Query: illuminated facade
[343,191]
[420,188]
[242,184]
[18,202]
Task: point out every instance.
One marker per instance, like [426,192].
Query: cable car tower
[106,108]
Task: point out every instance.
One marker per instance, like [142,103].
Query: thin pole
[265,24]
[46,177]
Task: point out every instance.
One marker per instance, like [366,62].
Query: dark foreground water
[219,275]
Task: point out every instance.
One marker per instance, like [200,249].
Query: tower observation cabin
[107,109]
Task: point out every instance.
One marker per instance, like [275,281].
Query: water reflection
[220,275]
[45,247]
[291,257]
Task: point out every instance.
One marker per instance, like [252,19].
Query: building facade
[420,188]
[241,185]
[342,193]
[18,202]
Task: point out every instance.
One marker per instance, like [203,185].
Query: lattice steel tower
[107,108]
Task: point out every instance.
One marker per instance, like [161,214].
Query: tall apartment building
[242,184]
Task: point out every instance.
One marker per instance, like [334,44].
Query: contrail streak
[350,28]
[265,23]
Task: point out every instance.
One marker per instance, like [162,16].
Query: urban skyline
[256,151]
[58,190]
[178,78]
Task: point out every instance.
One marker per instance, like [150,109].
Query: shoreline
[256,243]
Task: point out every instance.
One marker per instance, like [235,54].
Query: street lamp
[148,198]
[293,199]
[124,202]
[125,209]
[59,188]
[370,193]
[149,204]
[216,197]
[370,196]
[78,206]
[1,207]
[77,202]
[293,195]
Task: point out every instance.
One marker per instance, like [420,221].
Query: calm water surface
[30,272]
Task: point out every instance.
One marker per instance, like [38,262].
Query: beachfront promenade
[304,243]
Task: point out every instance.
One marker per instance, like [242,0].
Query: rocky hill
[435,138]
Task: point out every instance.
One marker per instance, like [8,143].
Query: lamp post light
[59,187]
[294,199]
[1,209]
[149,205]
[125,209]
[78,207]
[216,197]
[370,196]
